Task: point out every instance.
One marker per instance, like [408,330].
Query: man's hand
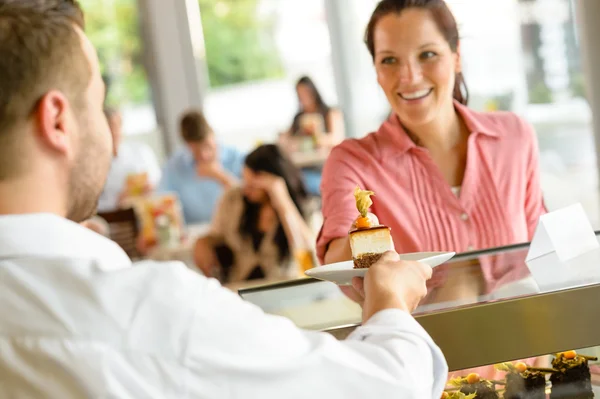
[391,283]
[211,170]
[204,256]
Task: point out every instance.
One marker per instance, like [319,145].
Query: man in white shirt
[79,321]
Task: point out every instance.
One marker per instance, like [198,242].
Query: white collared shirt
[79,321]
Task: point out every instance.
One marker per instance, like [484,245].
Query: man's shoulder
[147,308]
[232,158]
[180,159]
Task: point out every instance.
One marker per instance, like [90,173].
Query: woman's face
[306,98]
[251,186]
[415,66]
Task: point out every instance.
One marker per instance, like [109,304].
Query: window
[524,56]
[256,50]
[112,26]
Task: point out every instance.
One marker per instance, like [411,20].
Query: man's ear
[52,121]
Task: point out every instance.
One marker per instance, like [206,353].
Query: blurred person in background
[316,126]
[129,158]
[78,320]
[202,170]
[257,224]
[447,178]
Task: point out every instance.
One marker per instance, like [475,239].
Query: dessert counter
[483,308]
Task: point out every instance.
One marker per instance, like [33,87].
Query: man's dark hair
[40,51]
[194,127]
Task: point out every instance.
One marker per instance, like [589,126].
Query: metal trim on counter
[500,330]
[512,329]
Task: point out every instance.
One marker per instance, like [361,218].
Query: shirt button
[464,216]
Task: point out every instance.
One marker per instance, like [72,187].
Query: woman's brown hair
[444,20]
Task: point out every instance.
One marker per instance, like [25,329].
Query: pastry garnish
[472,378]
[521,367]
[458,395]
[363,203]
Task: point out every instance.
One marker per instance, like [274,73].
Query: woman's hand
[204,256]
[275,187]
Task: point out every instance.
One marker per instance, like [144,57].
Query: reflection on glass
[524,56]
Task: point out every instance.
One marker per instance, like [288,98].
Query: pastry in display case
[572,378]
[568,378]
[523,381]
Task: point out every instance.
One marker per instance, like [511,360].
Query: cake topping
[570,359]
[521,368]
[473,378]
[363,203]
[457,395]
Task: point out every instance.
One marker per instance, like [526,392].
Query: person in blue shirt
[200,171]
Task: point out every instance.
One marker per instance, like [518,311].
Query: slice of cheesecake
[369,240]
[368,245]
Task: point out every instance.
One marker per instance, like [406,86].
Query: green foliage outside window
[113,28]
[239,43]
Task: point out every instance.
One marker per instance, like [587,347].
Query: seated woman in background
[258,224]
[447,178]
[315,124]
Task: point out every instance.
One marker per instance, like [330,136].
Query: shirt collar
[393,138]
[44,235]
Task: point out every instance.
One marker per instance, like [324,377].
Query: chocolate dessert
[572,378]
[524,382]
[369,240]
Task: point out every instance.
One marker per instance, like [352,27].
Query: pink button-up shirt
[500,199]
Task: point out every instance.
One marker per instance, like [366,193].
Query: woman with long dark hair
[258,224]
[447,178]
[316,123]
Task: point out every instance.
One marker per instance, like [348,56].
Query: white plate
[341,273]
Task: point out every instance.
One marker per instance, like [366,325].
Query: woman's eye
[388,60]
[427,55]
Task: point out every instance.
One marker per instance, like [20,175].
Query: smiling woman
[447,178]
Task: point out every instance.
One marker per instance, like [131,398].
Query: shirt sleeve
[340,177]
[534,201]
[254,354]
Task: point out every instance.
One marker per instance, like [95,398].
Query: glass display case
[483,308]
